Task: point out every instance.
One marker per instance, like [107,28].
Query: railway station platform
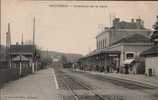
[37,86]
[153,81]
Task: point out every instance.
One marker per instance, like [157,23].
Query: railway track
[69,81]
[73,84]
[71,90]
[122,82]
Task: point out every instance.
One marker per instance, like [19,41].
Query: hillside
[57,55]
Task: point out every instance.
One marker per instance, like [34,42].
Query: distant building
[3,62]
[3,53]
[118,46]
[22,58]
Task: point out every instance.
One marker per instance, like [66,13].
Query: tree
[63,59]
[154,36]
[44,60]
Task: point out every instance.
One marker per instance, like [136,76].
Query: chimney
[139,23]
[157,18]
[132,20]
[17,43]
[138,20]
[22,41]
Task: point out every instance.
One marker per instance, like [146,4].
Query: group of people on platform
[132,68]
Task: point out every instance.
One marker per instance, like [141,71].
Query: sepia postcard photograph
[78,50]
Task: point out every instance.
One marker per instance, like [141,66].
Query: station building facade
[117,46]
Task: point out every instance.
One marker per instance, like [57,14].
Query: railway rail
[71,90]
[69,81]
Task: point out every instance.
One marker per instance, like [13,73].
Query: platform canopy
[105,51]
[20,58]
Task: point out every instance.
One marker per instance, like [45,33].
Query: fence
[7,75]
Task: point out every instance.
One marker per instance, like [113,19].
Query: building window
[101,43]
[105,43]
[130,55]
[97,44]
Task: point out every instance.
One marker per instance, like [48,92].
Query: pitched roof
[21,48]
[151,51]
[135,38]
[127,25]
[105,50]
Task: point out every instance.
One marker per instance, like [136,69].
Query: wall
[136,48]
[151,62]
[103,36]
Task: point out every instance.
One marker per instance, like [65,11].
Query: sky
[64,26]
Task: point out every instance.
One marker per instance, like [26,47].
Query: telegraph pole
[8,36]
[33,55]
[8,43]
[34,24]
[22,40]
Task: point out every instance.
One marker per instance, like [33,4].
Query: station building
[118,46]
